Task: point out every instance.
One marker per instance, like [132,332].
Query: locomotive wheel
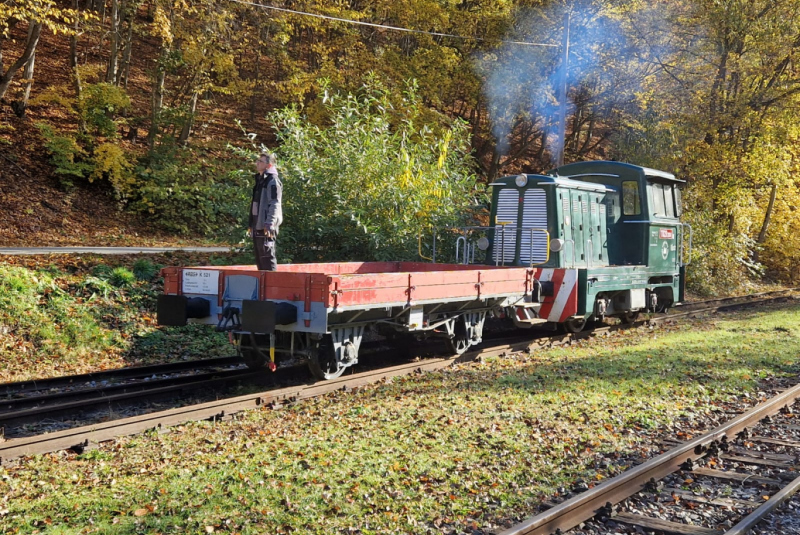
[252,357]
[629,317]
[460,342]
[574,325]
[322,363]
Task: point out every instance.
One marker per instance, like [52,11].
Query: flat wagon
[319,312]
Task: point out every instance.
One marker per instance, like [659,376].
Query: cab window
[669,201]
[678,202]
[657,194]
[630,198]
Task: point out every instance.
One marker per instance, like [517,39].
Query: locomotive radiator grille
[507,211]
[533,245]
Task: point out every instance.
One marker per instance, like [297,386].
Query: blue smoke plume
[522,82]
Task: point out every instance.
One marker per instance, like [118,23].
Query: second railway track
[732,454]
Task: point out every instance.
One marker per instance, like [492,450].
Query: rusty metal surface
[82,436]
[570,513]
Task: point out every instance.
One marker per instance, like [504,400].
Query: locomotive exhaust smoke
[524,83]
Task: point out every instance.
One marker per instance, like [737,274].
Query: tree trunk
[762,235]
[124,68]
[158,103]
[27,75]
[76,74]
[186,131]
[111,73]
[494,167]
[34,31]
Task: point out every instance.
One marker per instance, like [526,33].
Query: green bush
[718,260]
[90,155]
[69,158]
[184,191]
[101,270]
[110,162]
[367,184]
[121,277]
[144,269]
[99,107]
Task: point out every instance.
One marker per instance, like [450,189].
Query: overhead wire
[388,27]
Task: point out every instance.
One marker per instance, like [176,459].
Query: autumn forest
[390,117]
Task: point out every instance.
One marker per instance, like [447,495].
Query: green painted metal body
[617,223]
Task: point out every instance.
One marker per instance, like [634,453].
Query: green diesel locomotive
[608,234]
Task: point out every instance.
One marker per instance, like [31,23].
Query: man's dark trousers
[266,259]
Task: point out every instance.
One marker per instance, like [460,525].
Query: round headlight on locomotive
[521,181]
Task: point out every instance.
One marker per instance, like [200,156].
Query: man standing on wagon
[266,214]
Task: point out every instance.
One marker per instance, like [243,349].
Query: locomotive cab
[644,239]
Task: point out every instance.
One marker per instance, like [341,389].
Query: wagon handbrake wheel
[322,363]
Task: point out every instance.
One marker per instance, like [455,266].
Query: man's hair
[271,159]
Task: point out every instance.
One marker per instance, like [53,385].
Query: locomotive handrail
[419,250]
[546,245]
[432,258]
[463,239]
[468,255]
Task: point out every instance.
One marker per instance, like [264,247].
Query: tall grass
[45,321]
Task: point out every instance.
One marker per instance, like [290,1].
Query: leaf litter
[469,449]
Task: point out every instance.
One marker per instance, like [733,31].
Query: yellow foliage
[110,162]
[60,95]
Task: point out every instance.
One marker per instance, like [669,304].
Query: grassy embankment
[66,315]
[441,453]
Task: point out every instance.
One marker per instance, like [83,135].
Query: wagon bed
[348,285]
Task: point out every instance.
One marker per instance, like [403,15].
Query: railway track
[34,401]
[17,409]
[740,452]
[11,390]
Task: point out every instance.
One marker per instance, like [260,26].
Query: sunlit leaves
[368,184]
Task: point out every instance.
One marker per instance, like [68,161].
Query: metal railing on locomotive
[472,246]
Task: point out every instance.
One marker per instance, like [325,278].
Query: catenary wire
[387,27]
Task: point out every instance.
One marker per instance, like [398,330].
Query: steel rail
[716,308]
[68,402]
[132,372]
[687,304]
[82,437]
[584,506]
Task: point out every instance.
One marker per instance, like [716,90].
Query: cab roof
[575,171]
[542,180]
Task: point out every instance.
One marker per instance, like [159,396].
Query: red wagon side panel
[371,283]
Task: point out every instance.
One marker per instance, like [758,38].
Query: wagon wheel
[460,342]
[629,317]
[322,362]
[251,355]
[574,325]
